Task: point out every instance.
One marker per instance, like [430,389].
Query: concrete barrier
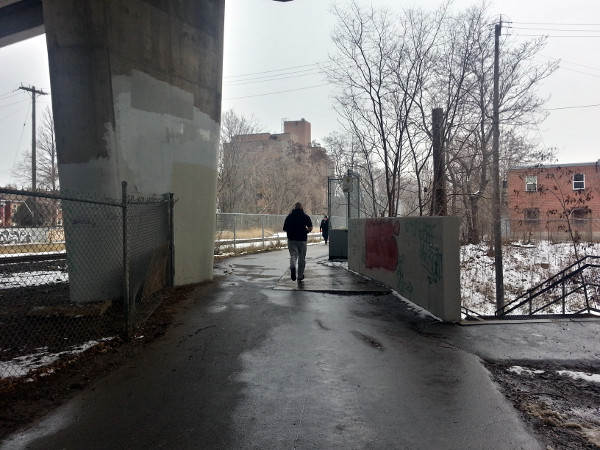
[418,257]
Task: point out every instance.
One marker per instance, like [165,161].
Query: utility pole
[496,172]
[438,201]
[33,92]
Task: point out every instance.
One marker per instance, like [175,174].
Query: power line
[15,112]
[579,71]
[15,103]
[278,92]
[554,29]
[558,35]
[558,24]
[573,107]
[562,67]
[570,62]
[9,94]
[274,70]
[273,77]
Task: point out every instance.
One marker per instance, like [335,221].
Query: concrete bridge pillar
[136,90]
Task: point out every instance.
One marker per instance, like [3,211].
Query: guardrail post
[126,302]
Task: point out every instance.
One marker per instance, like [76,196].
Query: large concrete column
[136,89]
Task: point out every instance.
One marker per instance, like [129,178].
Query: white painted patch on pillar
[161,143]
[166,144]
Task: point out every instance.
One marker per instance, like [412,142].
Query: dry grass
[252,233]
[258,247]
[31,248]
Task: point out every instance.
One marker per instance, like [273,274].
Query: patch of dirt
[24,401]
[564,412]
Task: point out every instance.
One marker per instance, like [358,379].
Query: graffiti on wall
[403,286]
[14,236]
[430,254]
[381,248]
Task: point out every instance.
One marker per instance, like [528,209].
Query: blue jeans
[297,254]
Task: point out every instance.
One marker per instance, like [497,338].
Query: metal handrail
[471,314]
[560,278]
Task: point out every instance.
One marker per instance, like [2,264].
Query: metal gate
[343,199]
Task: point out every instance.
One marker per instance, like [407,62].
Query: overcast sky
[272,52]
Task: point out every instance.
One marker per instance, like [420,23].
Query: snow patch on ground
[524,267]
[24,365]
[36,278]
[595,378]
[524,370]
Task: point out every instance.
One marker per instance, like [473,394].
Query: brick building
[7,211]
[544,200]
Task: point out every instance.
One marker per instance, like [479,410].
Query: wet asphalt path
[248,366]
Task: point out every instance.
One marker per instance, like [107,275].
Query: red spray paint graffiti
[380,244]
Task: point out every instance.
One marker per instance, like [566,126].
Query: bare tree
[392,70]
[295,173]
[266,174]
[233,161]
[342,152]
[520,109]
[377,82]
[350,152]
[558,184]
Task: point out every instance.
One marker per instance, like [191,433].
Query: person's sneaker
[293,270]
[301,278]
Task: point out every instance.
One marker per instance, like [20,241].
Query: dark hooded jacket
[296,224]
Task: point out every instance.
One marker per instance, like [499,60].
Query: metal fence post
[234,234]
[262,220]
[126,303]
[171,275]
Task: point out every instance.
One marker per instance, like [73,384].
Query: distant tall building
[268,173]
[300,130]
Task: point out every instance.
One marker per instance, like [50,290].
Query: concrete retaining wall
[418,257]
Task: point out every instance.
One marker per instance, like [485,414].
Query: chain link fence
[556,230]
[238,233]
[75,271]
[67,262]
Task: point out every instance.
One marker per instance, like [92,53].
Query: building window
[580,216]
[532,216]
[531,183]
[578,181]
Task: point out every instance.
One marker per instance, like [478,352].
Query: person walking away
[297,225]
[324,228]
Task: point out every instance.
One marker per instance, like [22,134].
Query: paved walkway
[254,361]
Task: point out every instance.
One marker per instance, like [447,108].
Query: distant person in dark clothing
[324,228]
[297,225]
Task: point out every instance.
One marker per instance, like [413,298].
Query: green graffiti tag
[430,254]
[404,288]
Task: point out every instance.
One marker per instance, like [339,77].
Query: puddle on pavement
[368,340]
